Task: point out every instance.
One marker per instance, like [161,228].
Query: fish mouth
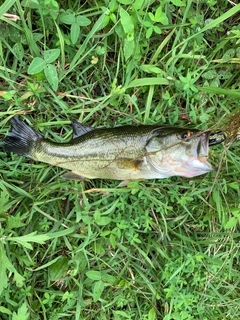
[201,152]
[196,162]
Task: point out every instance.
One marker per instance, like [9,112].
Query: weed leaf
[51,55]
[22,313]
[7,265]
[28,238]
[97,290]
[51,75]
[94,275]
[147,82]
[126,21]
[75,31]
[83,21]
[36,66]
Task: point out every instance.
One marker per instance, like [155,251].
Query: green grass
[160,249]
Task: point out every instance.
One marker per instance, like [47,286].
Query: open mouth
[203,150]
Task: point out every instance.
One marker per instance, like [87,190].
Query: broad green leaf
[183,79]
[151,16]
[126,21]
[112,240]
[149,32]
[18,50]
[151,69]
[147,24]
[158,14]
[58,269]
[234,185]
[51,55]
[18,279]
[36,66]
[138,4]
[104,23]
[231,223]
[83,21]
[157,29]
[147,82]
[128,48]
[14,222]
[105,233]
[28,238]
[81,261]
[161,16]
[152,314]
[97,290]
[211,74]
[107,278]
[22,313]
[68,18]
[103,221]
[33,4]
[62,233]
[51,75]
[98,248]
[74,32]
[5,310]
[94,275]
[228,55]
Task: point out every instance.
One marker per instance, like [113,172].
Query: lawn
[158,249]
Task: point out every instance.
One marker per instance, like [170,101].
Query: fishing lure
[217,138]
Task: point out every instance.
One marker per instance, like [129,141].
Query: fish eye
[185,135]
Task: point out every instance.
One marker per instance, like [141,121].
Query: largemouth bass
[120,153]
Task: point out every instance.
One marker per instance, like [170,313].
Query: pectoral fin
[72,176]
[128,164]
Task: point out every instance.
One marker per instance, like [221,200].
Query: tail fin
[20,138]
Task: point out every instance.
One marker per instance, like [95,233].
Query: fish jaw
[187,158]
[197,163]
[194,167]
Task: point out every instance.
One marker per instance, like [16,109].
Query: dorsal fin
[79,129]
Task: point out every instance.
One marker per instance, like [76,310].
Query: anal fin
[124,183]
[72,176]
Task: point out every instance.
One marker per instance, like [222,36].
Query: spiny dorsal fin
[79,129]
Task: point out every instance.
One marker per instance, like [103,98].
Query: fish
[121,153]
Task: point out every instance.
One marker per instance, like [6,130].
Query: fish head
[181,152]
